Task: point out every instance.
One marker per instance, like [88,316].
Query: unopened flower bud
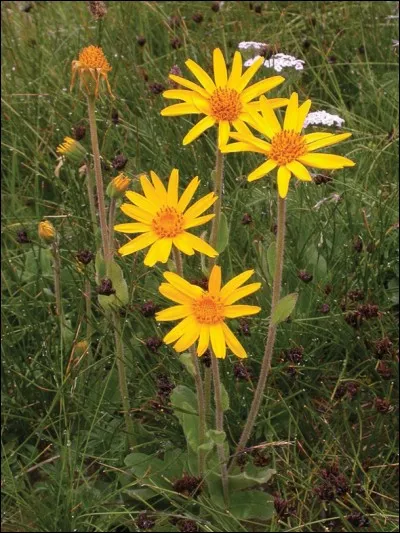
[72,150]
[47,231]
[117,187]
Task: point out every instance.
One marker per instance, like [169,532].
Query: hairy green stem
[88,302]
[198,381]
[55,250]
[218,185]
[92,203]
[269,346]
[111,218]
[207,392]
[98,175]
[219,426]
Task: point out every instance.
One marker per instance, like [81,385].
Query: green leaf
[245,505]
[271,259]
[121,296]
[284,308]
[252,476]
[100,265]
[218,437]
[223,234]
[38,261]
[147,468]
[316,262]
[184,402]
[224,398]
[186,360]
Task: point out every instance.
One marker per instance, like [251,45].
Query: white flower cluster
[278,62]
[245,45]
[322,117]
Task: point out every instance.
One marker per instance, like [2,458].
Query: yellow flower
[288,149]
[71,149]
[92,66]
[204,312]
[163,219]
[118,186]
[47,231]
[224,100]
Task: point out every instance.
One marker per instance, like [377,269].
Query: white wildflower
[249,62]
[322,117]
[280,61]
[245,45]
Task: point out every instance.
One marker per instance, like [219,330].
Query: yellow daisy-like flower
[288,150]
[47,231]
[71,149]
[204,312]
[92,66]
[224,100]
[163,219]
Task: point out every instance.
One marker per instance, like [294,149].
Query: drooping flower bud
[47,231]
[118,186]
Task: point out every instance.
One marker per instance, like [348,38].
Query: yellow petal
[201,104]
[223,133]
[232,342]
[182,285]
[283,181]
[173,313]
[248,74]
[301,115]
[218,340]
[220,73]
[179,94]
[312,137]
[174,294]
[173,184]
[190,85]
[199,207]
[198,221]
[198,129]
[235,282]
[235,311]
[325,161]
[178,330]
[241,293]
[159,187]
[187,194]
[200,245]
[236,71]
[176,110]
[132,227]
[201,75]
[291,116]
[159,252]
[270,122]
[142,202]
[204,339]
[240,147]
[257,143]
[261,87]
[299,171]
[328,141]
[214,282]
[188,338]
[138,243]
[136,213]
[241,126]
[262,170]
[181,243]
[148,189]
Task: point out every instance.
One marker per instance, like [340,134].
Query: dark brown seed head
[258,8]
[319,179]
[22,237]
[354,319]
[328,289]
[371,247]
[357,519]
[383,347]
[119,162]
[324,309]
[215,6]
[98,9]
[156,88]
[174,21]
[358,244]
[382,406]
[164,386]
[294,355]
[260,458]
[368,311]
[153,343]
[149,309]
[384,370]
[306,277]
[356,295]
[325,491]
[332,60]
[247,219]
[188,485]
[361,50]
[198,18]
[187,526]
[176,43]
[241,372]
[206,359]
[244,327]
[306,45]
[105,288]
[141,40]
[283,507]
[85,256]
[79,132]
[144,522]
[115,116]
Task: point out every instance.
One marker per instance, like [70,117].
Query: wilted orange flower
[92,66]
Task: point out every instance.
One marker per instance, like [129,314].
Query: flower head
[204,312]
[288,149]
[71,149]
[322,117]
[92,66]
[225,101]
[118,186]
[47,231]
[163,218]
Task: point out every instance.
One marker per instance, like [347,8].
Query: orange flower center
[286,146]
[208,309]
[93,57]
[225,104]
[168,222]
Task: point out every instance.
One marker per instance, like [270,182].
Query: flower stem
[88,302]
[92,203]
[57,284]
[219,426]
[111,219]
[98,175]
[269,346]
[198,381]
[123,385]
[218,184]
